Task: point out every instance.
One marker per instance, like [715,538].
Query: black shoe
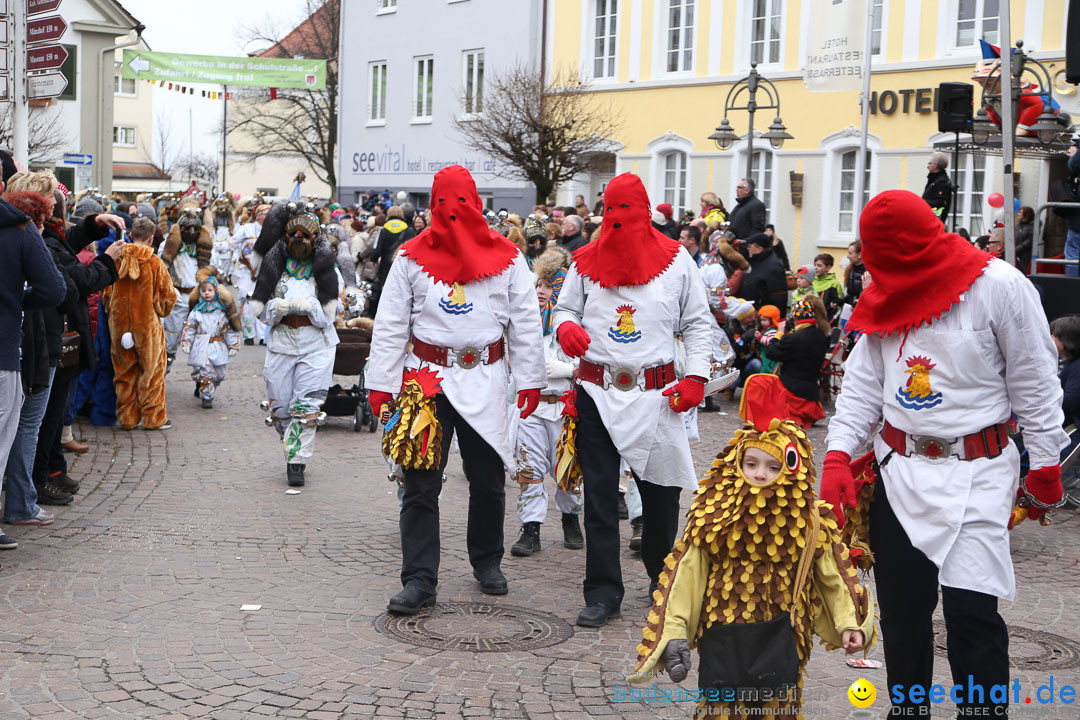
[635,535]
[410,601]
[249,341]
[597,616]
[196,393]
[295,474]
[492,581]
[207,404]
[529,542]
[571,532]
[49,494]
[653,587]
[262,342]
[65,483]
[624,512]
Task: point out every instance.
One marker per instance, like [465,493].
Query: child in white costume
[538,434]
[209,339]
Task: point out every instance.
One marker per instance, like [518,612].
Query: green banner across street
[221,70]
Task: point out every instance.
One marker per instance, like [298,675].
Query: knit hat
[772,312]
[803,312]
[760,239]
[87,207]
[803,271]
[666,209]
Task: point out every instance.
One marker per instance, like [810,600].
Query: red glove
[528,399]
[573,338]
[1044,485]
[838,483]
[378,398]
[685,394]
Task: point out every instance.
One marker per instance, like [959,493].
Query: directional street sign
[46,85]
[78,159]
[33,7]
[47,57]
[46,29]
[3,31]
[303,74]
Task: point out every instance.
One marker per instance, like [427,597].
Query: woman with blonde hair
[712,209]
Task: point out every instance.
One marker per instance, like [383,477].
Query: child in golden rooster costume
[740,561]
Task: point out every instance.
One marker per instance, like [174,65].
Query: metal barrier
[1036,235]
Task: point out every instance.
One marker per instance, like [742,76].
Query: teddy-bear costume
[188,247]
[738,559]
[142,295]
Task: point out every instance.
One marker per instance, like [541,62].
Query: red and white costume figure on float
[625,297]
[954,343]
[456,289]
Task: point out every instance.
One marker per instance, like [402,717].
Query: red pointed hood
[917,270]
[629,251]
[459,247]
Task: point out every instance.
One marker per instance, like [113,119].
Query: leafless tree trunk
[202,167]
[298,122]
[164,152]
[541,132]
[47,139]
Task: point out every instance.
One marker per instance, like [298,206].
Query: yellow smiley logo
[862,693]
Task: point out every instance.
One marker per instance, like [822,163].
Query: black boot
[529,542]
[410,601]
[635,535]
[295,473]
[249,341]
[571,532]
[207,404]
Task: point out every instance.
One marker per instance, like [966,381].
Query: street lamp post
[777,133]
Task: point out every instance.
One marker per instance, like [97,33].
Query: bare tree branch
[202,167]
[164,150]
[46,136]
[298,122]
[543,133]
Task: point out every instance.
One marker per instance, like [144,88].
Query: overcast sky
[205,27]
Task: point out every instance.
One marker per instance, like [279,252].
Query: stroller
[354,346]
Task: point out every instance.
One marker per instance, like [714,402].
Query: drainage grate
[476,627]
[1028,649]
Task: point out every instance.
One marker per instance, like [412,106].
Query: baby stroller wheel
[371,419]
[358,417]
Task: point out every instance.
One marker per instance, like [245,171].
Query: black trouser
[419,520]
[49,456]
[907,593]
[600,473]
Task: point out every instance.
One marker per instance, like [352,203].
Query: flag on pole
[835,46]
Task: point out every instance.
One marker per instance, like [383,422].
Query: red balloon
[996,200]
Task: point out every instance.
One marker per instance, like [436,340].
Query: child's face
[543,291]
[1059,346]
[820,268]
[802,281]
[759,467]
[207,293]
[764,323]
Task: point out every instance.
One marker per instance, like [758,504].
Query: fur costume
[226,205]
[339,241]
[204,246]
[143,293]
[224,295]
[271,253]
[732,255]
[553,260]
[737,559]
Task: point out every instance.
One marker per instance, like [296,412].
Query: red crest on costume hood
[917,270]
[629,251]
[459,247]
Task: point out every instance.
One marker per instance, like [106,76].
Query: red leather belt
[296,321]
[466,357]
[987,443]
[625,378]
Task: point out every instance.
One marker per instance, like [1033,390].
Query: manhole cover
[476,627]
[1028,649]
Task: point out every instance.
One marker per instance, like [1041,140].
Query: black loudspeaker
[1072,44]
[955,106]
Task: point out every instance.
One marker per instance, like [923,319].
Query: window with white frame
[675,180]
[474,82]
[876,27]
[124,87]
[606,26]
[424,68]
[386,5]
[845,219]
[123,136]
[761,172]
[680,35]
[970,194]
[377,98]
[766,30]
[977,19]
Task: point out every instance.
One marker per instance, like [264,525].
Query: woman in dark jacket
[1025,236]
[801,354]
[766,284]
[50,466]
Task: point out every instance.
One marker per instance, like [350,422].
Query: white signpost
[46,85]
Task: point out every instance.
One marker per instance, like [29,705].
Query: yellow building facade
[664,67]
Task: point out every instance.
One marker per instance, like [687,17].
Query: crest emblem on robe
[624,331]
[455,303]
[917,394]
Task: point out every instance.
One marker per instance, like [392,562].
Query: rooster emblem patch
[917,393]
[624,331]
[454,303]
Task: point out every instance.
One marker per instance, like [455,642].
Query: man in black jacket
[766,283]
[939,189]
[747,218]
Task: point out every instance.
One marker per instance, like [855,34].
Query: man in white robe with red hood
[955,342]
[626,295]
[454,292]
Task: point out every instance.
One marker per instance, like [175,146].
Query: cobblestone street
[130,604]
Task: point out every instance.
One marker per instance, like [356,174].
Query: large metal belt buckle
[624,378]
[933,448]
[468,358]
